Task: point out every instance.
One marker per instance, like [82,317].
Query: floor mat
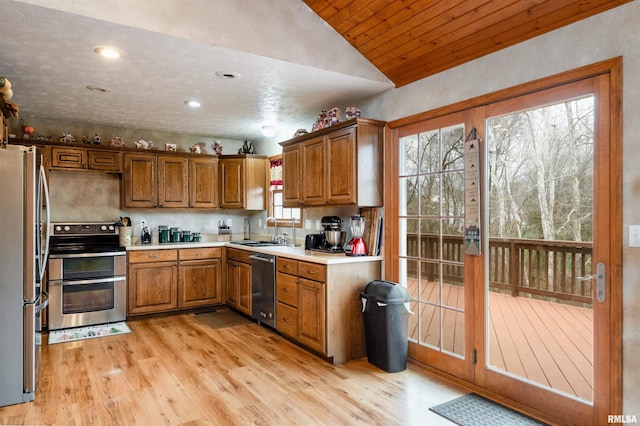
[88,332]
[223,318]
[474,410]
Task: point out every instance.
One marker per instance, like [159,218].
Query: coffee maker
[333,235]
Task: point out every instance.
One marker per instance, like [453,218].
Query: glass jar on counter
[175,235]
[163,234]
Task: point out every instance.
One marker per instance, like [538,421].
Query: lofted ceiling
[292,60]
[412,39]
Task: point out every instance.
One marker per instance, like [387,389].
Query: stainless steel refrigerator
[24,241]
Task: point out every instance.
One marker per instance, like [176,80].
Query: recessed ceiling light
[192,103]
[227,75]
[97,89]
[108,52]
[268,131]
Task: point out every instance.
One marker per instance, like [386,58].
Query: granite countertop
[298,253]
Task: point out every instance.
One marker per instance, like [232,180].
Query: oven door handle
[96,281]
[80,255]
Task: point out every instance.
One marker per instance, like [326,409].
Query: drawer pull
[285,289]
[285,319]
[153,256]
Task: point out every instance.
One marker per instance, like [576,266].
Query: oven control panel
[84,229]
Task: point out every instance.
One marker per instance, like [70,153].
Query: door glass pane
[540,318]
[432,255]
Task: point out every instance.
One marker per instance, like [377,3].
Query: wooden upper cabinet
[338,165]
[231,191]
[313,172]
[292,192]
[69,158]
[340,155]
[108,161]
[173,181]
[138,186]
[203,181]
[151,180]
[243,180]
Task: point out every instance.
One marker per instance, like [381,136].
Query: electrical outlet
[318,226]
[634,235]
[229,223]
[307,224]
[259,223]
[143,223]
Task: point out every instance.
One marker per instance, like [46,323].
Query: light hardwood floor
[177,370]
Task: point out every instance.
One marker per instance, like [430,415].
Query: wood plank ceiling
[411,39]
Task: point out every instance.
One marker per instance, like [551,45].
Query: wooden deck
[548,343]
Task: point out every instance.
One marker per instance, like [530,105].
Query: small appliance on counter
[313,241]
[145,235]
[333,237]
[356,246]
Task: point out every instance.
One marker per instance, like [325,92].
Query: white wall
[607,35]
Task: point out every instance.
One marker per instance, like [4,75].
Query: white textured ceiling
[291,64]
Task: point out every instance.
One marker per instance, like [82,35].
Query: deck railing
[537,268]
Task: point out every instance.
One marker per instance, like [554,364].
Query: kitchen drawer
[288,266]
[287,289]
[287,320]
[152,256]
[312,271]
[238,255]
[200,253]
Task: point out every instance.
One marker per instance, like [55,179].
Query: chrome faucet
[275,232]
[293,231]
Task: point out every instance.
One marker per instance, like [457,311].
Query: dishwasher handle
[270,259]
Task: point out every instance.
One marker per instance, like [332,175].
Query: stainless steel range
[87,275]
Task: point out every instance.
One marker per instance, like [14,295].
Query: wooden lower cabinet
[238,275]
[319,306]
[311,314]
[301,302]
[167,280]
[152,287]
[199,277]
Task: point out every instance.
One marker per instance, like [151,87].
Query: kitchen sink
[255,243]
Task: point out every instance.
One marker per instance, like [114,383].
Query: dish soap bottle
[246,227]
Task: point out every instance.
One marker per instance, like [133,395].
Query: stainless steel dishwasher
[263,288]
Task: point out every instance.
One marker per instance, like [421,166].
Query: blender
[356,246]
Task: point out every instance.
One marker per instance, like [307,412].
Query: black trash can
[386,324]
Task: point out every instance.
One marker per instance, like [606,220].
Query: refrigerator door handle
[45,227]
[43,302]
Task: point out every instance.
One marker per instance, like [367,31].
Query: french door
[534,318]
